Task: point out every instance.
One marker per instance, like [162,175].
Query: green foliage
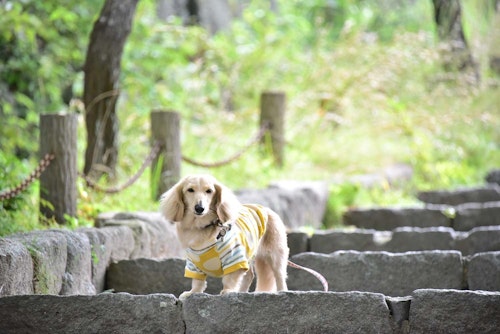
[364,85]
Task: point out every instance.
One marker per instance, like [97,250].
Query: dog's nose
[198,209]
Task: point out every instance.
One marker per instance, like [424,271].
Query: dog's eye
[190,190]
[209,191]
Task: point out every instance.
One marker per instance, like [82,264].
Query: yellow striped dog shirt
[231,252]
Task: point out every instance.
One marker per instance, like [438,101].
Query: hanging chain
[42,165]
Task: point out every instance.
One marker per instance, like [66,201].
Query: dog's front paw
[226,291]
[185,295]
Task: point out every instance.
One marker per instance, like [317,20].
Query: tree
[101,86]
[448,18]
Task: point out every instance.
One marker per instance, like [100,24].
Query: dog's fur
[196,201]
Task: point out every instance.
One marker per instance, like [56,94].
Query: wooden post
[165,128]
[272,113]
[58,193]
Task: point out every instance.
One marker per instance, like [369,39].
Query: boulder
[482,194]
[146,276]
[387,219]
[104,313]
[287,312]
[297,203]
[16,268]
[49,251]
[473,215]
[483,271]
[454,311]
[393,274]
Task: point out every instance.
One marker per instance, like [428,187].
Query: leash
[320,277]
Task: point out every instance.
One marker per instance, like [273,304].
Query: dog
[225,238]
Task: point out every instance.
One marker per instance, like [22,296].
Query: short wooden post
[165,128]
[272,113]
[58,193]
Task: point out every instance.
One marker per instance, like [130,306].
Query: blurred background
[409,87]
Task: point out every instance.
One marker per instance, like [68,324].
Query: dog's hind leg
[265,276]
[279,270]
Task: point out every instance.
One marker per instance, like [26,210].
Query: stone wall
[424,311]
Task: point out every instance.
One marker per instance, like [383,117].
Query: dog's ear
[226,204]
[171,203]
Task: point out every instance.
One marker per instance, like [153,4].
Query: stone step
[424,311]
[393,274]
[461,218]
[482,194]
[403,239]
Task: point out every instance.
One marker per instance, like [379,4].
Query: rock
[453,311]
[108,244]
[482,194]
[298,242]
[16,268]
[483,271]
[287,312]
[473,215]
[393,274]
[146,276]
[390,218]
[104,313]
[493,177]
[49,251]
[480,239]
[297,203]
[77,279]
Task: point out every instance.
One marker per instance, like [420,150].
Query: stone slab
[16,268]
[154,236]
[454,311]
[483,271]
[387,219]
[480,239]
[406,239]
[455,197]
[333,240]
[146,276]
[473,215]
[287,312]
[77,279]
[298,242]
[297,203]
[108,244]
[104,313]
[393,274]
[49,251]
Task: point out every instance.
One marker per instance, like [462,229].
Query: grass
[355,105]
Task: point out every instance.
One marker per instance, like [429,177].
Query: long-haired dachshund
[224,238]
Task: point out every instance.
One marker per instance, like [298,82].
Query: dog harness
[233,249]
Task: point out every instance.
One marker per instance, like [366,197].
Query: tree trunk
[102,72]
[448,18]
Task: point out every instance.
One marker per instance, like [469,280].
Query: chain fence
[155,150]
[42,165]
[260,134]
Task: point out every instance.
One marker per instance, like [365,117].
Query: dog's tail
[320,277]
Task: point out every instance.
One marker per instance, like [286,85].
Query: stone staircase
[429,269]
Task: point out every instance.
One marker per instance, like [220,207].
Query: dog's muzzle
[199,209]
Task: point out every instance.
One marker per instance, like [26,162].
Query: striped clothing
[233,251]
